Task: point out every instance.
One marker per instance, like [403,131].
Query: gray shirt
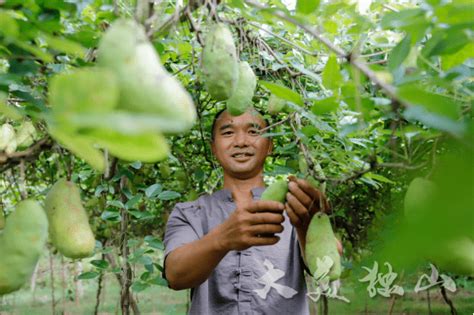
[258,280]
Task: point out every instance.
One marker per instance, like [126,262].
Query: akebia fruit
[418,196]
[321,247]
[146,88]
[455,254]
[69,227]
[219,63]
[241,99]
[276,191]
[21,244]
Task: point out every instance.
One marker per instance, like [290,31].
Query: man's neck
[241,189]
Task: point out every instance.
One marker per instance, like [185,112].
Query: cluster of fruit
[225,77]
[11,140]
[26,231]
[123,104]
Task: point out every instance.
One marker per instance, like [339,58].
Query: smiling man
[239,254]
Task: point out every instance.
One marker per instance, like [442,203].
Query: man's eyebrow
[225,126]
[254,125]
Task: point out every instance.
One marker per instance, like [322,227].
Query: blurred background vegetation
[375,93]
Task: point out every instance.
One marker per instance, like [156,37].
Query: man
[241,255]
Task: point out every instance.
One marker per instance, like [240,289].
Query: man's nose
[241,139]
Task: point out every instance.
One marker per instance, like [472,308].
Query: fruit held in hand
[241,99]
[321,247]
[69,227]
[276,191]
[21,245]
[219,63]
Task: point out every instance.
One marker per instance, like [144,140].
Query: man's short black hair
[219,113]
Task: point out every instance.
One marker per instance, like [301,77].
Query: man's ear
[213,149]
[270,147]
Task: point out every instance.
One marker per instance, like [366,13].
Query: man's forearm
[190,265]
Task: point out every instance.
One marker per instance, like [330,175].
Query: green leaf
[399,53]
[112,216]
[101,264]
[154,242]
[325,106]
[65,45]
[116,203]
[332,77]
[128,123]
[139,286]
[378,178]
[153,190]
[8,25]
[7,110]
[283,92]
[38,52]
[159,281]
[88,275]
[401,18]
[169,195]
[148,147]
[88,90]
[456,13]
[306,6]
[434,103]
[80,146]
[133,202]
[450,61]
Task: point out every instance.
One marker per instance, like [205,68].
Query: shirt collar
[226,195]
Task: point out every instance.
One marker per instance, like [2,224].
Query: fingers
[264,240]
[265,206]
[267,218]
[294,218]
[265,229]
[297,209]
[309,196]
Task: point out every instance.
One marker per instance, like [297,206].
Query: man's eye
[227,133]
[254,131]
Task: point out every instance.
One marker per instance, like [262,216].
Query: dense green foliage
[371,100]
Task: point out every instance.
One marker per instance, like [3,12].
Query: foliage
[373,99]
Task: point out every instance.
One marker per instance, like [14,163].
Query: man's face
[238,146]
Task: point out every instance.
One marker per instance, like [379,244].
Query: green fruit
[276,191]
[25,134]
[21,245]
[241,99]
[275,105]
[321,242]
[145,86]
[456,256]
[219,63]
[69,228]
[303,165]
[418,196]
[7,139]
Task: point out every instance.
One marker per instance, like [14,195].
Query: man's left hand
[302,202]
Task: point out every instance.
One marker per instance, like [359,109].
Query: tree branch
[356,62]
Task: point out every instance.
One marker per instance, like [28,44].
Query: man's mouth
[241,154]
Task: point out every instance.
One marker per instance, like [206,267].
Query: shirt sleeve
[179,230]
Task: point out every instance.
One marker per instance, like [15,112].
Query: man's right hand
[253,224]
